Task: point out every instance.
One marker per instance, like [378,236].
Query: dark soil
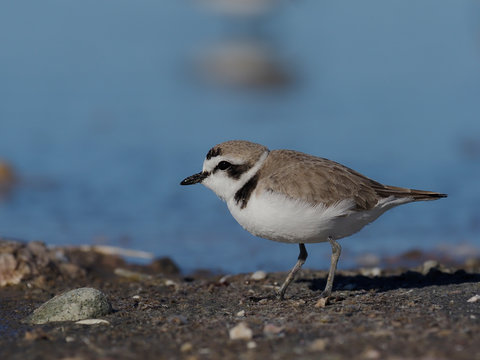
[160,314]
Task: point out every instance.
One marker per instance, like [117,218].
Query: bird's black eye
[223,165]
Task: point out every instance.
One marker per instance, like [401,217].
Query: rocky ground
[429,312]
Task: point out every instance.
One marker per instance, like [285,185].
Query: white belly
[276,217]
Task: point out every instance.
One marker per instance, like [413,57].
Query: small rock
[271,329]
[9,275]
[169,282]
[375,271]
[474,298]
[241,313]
[321,303]
[78,304]
[318,345]
[241,332]
[186,347]
[251,345]
[429,265]
[371,354]
[36,334]
[224,279]
[92,322]
[258,275]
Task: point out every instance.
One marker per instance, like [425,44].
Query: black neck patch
[215,151]
[243,194]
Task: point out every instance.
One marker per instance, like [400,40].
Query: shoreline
[415,313]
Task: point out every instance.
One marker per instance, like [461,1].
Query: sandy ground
[421,313]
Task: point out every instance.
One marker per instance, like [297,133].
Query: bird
[293,197]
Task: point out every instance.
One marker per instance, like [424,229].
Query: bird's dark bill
[194,179]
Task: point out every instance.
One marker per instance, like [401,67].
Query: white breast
[276,217]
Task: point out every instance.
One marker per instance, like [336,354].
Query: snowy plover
[289,196]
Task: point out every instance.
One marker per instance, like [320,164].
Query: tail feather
[416,195]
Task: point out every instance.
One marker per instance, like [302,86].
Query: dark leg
[336,251]
[301,260]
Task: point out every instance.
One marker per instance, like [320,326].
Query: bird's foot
[326,294]
[280,295]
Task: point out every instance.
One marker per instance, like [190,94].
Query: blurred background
[106,106]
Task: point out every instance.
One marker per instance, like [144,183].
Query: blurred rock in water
[244,64]
[7,176]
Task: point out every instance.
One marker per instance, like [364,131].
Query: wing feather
[317,180]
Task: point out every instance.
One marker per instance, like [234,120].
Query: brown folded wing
[317,180]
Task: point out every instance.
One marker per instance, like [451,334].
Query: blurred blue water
[102,115]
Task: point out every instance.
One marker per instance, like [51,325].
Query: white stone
[258,275]
[78,304]
[318,345]
[92,322]
[241,313]
[241,332]
[474,298]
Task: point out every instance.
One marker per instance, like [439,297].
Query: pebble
[169,282]
[429,265]
[474,298]
[321,303]
[186,347]
[92,322]
[36,334]
[258,275]
[318,345]
[371,354]
[78,304]
[9,275]
[271,329]
[241,313]
[241,332]
[224,279]
[375,271]
[251,345]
